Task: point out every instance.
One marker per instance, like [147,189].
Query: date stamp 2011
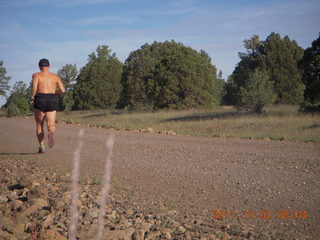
[262,214]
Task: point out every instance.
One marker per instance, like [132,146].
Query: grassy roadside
[279,122]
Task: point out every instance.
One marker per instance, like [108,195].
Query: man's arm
[34,86]
[61,89]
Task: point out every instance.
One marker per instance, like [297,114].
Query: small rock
[29,210]
[188,226]
[152,235]
[166,232]
[172,213]
[18,234]
[129,213]
[20,227]
[146,226]
[149,130]
[16,205]
[174,224]
[5,235]
[38,201]
[13,196]
[171,133]
[25,181]
[53,234]
[3,199]
[37,192]
[112,216]
[53,203]
[181,229]
[198,222]
[79,203]
[43,213]
[7,224]
[119,234]
[138,235]
[126,223]
[66,196]
[49,220]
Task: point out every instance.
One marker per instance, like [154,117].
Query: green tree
[249,61]
[21,89]
[257,92]
[311,76]
[68,74]
[99,81]
[279,57]
[4,80]
[167,75]
[18,99]
[282,57]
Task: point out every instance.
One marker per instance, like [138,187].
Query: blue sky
[67,31]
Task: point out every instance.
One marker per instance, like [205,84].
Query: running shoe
[51,139]
[41,148]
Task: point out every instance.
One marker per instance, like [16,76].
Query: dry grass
[277,123]
[3,113]
[74,215]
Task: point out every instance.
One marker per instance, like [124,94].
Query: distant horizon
[67,32]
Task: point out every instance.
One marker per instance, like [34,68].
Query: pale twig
[106,185]
[74,188]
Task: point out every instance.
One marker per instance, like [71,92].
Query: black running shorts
[46,102]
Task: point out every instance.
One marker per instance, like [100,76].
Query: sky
[67,31]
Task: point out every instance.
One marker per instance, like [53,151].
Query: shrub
[13,110]
[256,92]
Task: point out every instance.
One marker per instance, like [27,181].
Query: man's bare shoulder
[36,74]
[53,75]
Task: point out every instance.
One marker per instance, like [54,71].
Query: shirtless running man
[44,95]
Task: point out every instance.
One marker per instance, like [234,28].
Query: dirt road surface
[277,181]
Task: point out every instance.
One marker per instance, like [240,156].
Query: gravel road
[269,185]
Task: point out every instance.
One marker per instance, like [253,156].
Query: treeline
[276,70]
[169,75]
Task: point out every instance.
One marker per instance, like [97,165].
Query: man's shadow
[17,153]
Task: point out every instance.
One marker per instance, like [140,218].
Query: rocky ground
[35,202]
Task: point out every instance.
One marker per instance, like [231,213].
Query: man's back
[46,82]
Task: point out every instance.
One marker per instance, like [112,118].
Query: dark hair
[44,63]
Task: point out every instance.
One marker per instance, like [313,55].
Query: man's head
[44,63]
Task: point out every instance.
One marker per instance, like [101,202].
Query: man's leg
[51,123]
[39,117]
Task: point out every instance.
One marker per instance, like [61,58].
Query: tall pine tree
[4,80]
[68,74]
